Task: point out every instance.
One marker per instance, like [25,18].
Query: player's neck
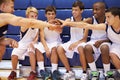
[79,18]
[116,25]
[101,19]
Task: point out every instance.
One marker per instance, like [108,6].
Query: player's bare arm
[6,18]
[43,41]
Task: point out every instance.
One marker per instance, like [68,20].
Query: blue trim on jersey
[23,33]
[115,31]
[106,28]
[98,22]
[92,20]
[74,19]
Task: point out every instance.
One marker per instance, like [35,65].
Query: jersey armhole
[106,27]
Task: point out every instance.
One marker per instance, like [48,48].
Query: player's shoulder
[68,19]
[88,20]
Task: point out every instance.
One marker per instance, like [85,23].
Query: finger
[14,44]
[94,44]
[62,25]
[62,21]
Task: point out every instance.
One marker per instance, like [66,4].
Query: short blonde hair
[31,9]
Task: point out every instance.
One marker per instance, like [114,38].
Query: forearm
[76,24]
[35,40]
[82,40]
[5,41]
[44,44]
[86,25]
[106,40]
[27,23]
[33,23]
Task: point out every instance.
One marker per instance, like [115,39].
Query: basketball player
[78,39]
[7,7]
[50,39]
[98,44]
[26,46]
[112,29]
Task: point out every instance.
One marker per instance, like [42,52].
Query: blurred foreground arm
[6,18]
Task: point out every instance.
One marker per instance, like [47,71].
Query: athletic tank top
[51,36]
[98,34]
[76,33]
[28,35]
[3,29]
[113,35]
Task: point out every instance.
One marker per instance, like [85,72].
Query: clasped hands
[58,24]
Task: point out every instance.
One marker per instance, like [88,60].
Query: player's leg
[54,62]
[31,53]
[83,63]
[64,60]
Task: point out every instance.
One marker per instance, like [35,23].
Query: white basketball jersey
[98,34]
[29,35]
[51,36]
[113,36]
[76,33]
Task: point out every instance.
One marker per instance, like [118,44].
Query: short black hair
[78,3]
[103,5]
[114,11]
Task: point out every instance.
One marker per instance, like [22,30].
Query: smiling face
[32,15]
[98,10]
[113,16]
[50,15]
[76,11]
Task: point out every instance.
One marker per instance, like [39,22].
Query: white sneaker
[69,76]
[105,74]
[84,76]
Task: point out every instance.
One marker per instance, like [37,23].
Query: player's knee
[59,48]
[80,48]
[14,57]
[88,47]
[31,53]
[38,53]
[54,49]
[104,47]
